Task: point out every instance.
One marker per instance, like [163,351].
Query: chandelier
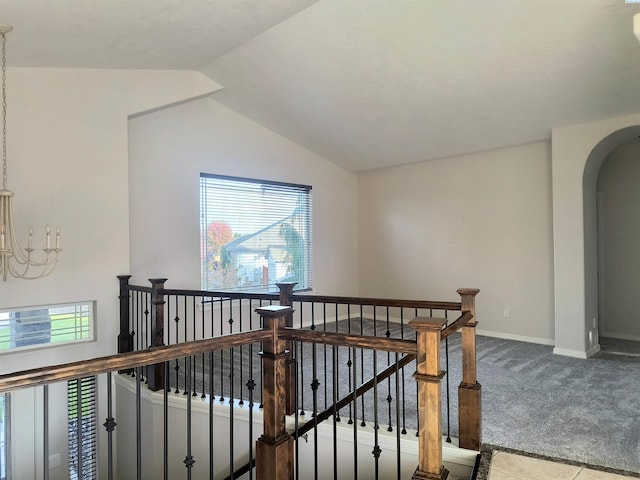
[15,260]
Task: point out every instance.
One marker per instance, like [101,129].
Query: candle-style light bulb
[3,242]
[30,243]
[48,238]
[57,238]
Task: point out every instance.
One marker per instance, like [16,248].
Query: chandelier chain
[4,115]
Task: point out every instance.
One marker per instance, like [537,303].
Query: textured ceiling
[364,83]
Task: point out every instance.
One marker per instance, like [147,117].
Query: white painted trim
[451,452]
[593,350]
[570,353]
[621,336]
[519,338]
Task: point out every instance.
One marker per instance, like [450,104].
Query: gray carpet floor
[565,408]
[533,401]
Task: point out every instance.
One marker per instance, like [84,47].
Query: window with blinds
[49,324]
[254,234]
[81,411]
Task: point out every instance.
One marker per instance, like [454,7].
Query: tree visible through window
[254,234]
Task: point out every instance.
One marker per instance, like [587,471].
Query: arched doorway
[602,288]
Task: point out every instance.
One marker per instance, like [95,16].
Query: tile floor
[507,466]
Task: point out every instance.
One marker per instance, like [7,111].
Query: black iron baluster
[296,418]
[404,409]
[221,352]
[363,422]
[231,394]
[165,426]
[231,355]
[446,361]
[336,374]
[202,315]
[349,365]
[324,349]
[355,424]
[398,456]
[177,363]
[211,427]
[188,459]
[212,361]
[110,426]
[251,385]
[389,398]
[314,389]
[376,447]
[45,431]
[334,388]
[138,425]
[241,401]
[194,371]
[186,339]
[300,367]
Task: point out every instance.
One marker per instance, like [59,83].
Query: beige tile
[527,468]
[587,474]
[496,475]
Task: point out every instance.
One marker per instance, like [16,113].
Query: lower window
[81,406]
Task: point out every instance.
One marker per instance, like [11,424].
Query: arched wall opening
[577,155]
[593,234]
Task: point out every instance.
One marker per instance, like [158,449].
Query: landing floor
[508,466]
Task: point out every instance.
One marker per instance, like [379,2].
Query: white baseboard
[567,352]
[593,350]
[519,338]
[621,336]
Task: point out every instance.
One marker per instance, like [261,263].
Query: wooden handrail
[312,298]
[461,321]
[352,340]
[69,371]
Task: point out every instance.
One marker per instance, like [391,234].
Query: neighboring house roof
[260,241]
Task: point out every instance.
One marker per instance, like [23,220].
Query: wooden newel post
[125,339]
[274,449]
[155,373]
[286,300]
[469,391]
[429,376]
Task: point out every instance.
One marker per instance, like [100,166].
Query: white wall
[169,149]
[620,234]
[67,165]
[481,220]
[578,152]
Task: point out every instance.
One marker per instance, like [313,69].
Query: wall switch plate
[505,312]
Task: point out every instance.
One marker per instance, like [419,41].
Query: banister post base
[470,415]
[274,459]
[420,475]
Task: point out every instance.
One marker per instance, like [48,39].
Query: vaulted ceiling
[364,83]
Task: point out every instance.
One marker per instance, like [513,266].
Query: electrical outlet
[54,461]
[505,312]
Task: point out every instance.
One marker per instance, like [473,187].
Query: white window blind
[254,234]
[81,411]
[49,324]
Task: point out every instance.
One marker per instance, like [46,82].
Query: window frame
[79,332]
[302,213]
